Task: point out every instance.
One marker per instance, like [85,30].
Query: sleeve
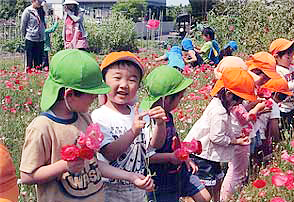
[52,28]
[36,150]
[24,21]
[76,18]
[218,129]
[104,126]
[206,47]
[275,113]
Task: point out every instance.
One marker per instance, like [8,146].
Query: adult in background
[33,29]
[74,34]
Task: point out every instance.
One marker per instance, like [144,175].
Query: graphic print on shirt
[133,160]
[85,183]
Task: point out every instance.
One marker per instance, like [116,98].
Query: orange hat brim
[11,194]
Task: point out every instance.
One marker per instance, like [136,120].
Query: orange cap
[265,62]
[279,45]
[123,55]
[278,85]
[5,200]
[229,62]
[238,81]
[8,181]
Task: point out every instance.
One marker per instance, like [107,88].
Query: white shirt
[214,130]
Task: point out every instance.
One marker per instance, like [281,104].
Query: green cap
[163,81]
[75,69]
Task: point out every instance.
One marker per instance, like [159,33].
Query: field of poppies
[20,97]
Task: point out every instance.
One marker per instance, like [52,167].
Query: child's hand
[243,140]
[158,114]
[191,166]
[138,123]
[75,166]
[143,182]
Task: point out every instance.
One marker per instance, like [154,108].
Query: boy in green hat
[165,88]
[73,83]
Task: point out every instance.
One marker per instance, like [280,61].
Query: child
[125,139]
[228,49]
[229,62]
[210,49]
[190,56]
[267,124]
[47,45]
[174,57]
[165,88]
[8,180]
[214,128]
[74,34]
[283,51]
[73,83]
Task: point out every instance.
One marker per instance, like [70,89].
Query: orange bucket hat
[278,85]
[238,81]
[8,180]
[279,45]
[123,55]
[265,62]
[229,62]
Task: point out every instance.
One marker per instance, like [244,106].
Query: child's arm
[163,57]
[53,27]
[137,179]
[114,149]
[50,172]
[159,131]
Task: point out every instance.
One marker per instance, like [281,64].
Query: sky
[176,2]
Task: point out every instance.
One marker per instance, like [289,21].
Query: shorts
[123,193]
[209,172]
[179,185]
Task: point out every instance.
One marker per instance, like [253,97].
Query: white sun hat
[66,2]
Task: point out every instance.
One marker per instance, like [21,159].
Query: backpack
[214,52]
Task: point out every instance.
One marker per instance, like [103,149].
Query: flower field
[20,97]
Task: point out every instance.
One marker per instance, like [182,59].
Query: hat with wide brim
[75,69]
[232,44]
[161,82]
[229,62]
[121,56]
[238,81]
[264,62]
[279,45]
[278,85]
[67,2]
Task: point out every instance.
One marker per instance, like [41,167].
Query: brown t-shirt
[44,139]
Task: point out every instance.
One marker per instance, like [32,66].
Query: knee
[202,196]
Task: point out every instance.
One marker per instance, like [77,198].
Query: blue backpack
[214,52]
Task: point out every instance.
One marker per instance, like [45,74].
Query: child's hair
[62,91]
[208,32]
[287,51]
[121,63]
[222,96]
[280,45]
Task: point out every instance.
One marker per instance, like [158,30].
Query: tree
[10,8]
[132,9]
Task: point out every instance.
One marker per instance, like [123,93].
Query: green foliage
[174,11]
[253,24]
[13,45]
[132,9]
[10,8]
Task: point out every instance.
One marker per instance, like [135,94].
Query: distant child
[73,83]
[165,88]
[228,49]
[214,128]
[174,58]
[283,51]
[210,49]
[190,56]
[267,124]
[8,179]
[125,137]
[229,62]
[47,44]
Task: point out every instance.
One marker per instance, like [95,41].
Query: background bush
[253,24]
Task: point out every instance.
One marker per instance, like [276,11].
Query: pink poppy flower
[264,93]
[262,194]
[70,152]
[277,199]
[268,104]
[279,179]
[285,156]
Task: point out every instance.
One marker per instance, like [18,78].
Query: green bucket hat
[163,81]
[73,69]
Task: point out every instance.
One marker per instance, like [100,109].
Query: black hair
[225,52]
[41,13]
[287,51]
[62,91]
[122,62]
[222,96]
[281,96]
[208,32]
[74,9]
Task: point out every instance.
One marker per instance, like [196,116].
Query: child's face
[124,82]
[171,103]
[285,60]
[205,37]
[82,103]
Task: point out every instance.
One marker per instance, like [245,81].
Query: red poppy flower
[70,152]
[278,199]
[268,104]
[275,170]
[176,143]
[264,93]
[182,154]
[86,153]
[153,24]
[259,183]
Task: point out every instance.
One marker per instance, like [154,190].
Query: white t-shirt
[113,125]
[263,119]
